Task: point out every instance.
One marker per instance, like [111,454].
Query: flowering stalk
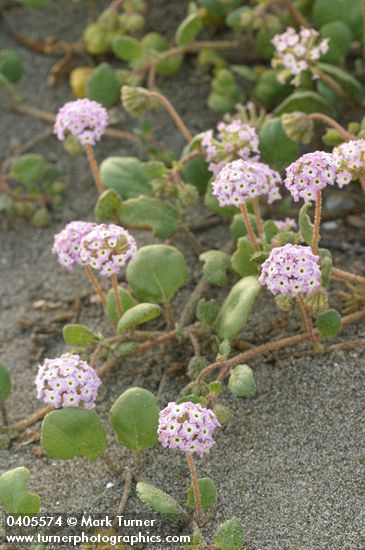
[337,88]
[172,112]
[307,320]
[256,209]
[250,231]
[330,122]
[95,284]
[117,296]
[195,484]
[341,275]
[317,223]
[94,168]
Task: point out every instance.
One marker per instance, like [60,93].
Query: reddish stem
[118,303]
[249,227]
[195,484]
[317,223]
[94,168]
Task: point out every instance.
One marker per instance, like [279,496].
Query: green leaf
[207,312]
[230,535]
[126,48]
[10,66]
[158,500]
[340,38]
[108,205]
[276,148]
[326,265]
[329,323]
[126,176]
[188,29]
[71,432]
[225,92]
[305,225]
[196,173]
[270,230]
[28,169]
[154,42]
[241,258]
[208,493]
[241,381]
[137,315]
[219,8]
[5,382]
[349,84]
[14,494]
[127,301]
[216,265]
[35,4]
[269,91]
[346,11]
[103,85]
[78,335]
[134,417]
[238,226]
[237,306]
[150,213]
[157,272]
[306,102]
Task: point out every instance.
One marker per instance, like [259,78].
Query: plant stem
[194,481]
[3,413]
[317,223]
[94,168]
[341,275]
[297,17]
[95,283]
[307,320]
[118,303]
[257,211]
[362,181]
[23,424]
[337,88]
[174,115]
[330,122]
[249,227]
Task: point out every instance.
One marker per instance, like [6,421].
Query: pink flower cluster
[83,118]
[349,159]
[297,52]
[107,248]
[309,174]
[286,225]
[67,382]
[67,243]
[240,181]
[188,427]
[235,139]
[291,269]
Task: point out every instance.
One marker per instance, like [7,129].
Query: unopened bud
[136,100]
[298,127]
[317,301]
[284,302]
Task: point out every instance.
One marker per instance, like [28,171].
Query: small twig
[173,113]
[128,477]
[341,275]
[33,141]
[330,122]
[23,424]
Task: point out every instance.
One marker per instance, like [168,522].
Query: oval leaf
[126,300]
[150,213]
[329,323]
[103,86]
[230,535]
[142,313]
[134,417]
[188,29]
[14,494]
[305,224]
[241,258]
[126,176]
[108,206]
[241,381]
[28,168]
[157,272]
[208,493]
[78,335]
[236,308]
[276,148]
[305,102]
[158,500]
[216,264]
[126,47]
[71,432]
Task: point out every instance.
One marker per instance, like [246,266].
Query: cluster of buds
[349,159]
[235,139]
[67,382]
[297,52]
[240,181]
[67,243]
[188,427]
[85,119]
[107,248]
[309,174]
[291,270]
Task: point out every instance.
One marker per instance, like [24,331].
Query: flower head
[240,181]
[107,248]
[291,269]
[309,174]
[67,382]
[67,243]
[83,118]
[349,159]
[235,139]
[188,427]
[297,52]
[286,225]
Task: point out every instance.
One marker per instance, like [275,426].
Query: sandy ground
[290,463]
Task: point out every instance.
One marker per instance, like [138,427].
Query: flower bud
[136,101]
[298,127]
